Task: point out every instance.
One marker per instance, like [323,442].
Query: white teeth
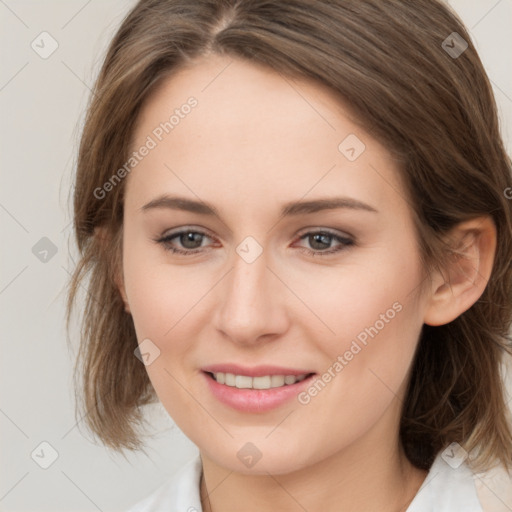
[277,381]
[289,379]
[262,382]
[241,382]
[265,382]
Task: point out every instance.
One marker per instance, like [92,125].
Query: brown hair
[433,110]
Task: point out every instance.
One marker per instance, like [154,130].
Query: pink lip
[255,371]
[256,400]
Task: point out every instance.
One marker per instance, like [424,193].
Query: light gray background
[42,104]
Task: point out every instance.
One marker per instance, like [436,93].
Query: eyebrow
[288,209]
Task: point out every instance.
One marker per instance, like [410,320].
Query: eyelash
[344,241]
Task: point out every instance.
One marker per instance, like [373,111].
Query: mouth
[255,390]
[261,382]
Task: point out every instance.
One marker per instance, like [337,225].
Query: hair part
[436,115]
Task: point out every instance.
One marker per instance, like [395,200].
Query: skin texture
[255,141]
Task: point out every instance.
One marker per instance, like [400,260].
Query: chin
[250,458]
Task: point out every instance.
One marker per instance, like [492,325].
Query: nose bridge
[250,306]
[248,279]
[248,284]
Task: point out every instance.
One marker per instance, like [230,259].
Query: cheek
[376,317]
[370,299]
[159,294]
[163,302]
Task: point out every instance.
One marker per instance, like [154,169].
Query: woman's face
[298,257]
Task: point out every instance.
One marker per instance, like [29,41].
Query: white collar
[179,493]
[446,489]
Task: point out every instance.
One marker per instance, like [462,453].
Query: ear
[467,272]
[103,237]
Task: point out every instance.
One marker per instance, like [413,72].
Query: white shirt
[445,489]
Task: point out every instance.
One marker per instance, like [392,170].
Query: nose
[251,303]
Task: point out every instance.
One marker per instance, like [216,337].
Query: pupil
[189,239]
[321,238]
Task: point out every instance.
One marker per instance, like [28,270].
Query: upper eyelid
[185,229]
[329,231]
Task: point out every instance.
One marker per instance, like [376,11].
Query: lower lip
[255,400]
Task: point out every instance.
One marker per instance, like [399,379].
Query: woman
[295,223]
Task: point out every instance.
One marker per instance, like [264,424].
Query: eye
[321,240]
[190,240]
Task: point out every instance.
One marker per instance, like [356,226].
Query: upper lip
[255,371]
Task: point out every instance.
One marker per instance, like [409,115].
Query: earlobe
[103,237]
[464,278]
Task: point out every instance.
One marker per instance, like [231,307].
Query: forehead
[255,132]
[231,92]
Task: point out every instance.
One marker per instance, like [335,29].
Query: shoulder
[178,493]
[451,486]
